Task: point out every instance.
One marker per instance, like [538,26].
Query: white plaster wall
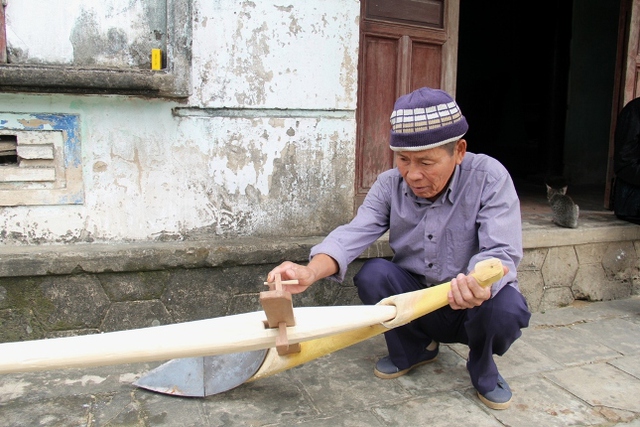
[275,55]
[52,46]
[155,169]
[115,33]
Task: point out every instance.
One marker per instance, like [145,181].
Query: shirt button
[430,265]
[430,236]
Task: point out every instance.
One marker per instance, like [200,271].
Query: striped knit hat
[426,118]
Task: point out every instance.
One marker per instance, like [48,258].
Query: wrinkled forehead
[428,154]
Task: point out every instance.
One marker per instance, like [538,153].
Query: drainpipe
[3,34]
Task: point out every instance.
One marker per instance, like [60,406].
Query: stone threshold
[594,227]
[40,260]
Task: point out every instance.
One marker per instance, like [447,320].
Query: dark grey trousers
[488,329]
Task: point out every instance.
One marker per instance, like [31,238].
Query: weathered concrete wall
[46,292]
[555,277]
[599,260]
[264,146]
[114,33]
[268,55]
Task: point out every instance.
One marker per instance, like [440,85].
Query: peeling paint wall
[260,53]
[264,146]
[113,33]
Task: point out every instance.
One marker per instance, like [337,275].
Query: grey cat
[565,211]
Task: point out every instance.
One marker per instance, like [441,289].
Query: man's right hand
[291,271]
[318,268]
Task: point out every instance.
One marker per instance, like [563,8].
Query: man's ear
[460,150]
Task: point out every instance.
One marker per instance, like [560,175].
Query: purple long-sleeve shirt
[477,217]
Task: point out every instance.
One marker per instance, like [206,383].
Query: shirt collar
[454,185]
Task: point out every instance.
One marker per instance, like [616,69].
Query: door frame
[626,82]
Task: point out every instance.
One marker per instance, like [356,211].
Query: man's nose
[414,172]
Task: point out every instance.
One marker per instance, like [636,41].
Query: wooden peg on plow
[278,306]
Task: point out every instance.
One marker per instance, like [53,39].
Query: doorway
[535,81]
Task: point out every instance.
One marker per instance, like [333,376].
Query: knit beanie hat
[425,118]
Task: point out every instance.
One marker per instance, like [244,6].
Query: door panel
[417,12]
[375,152]
[404,45]
[427,66]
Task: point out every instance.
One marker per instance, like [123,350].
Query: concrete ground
[578,365]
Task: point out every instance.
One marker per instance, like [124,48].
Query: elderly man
[445,210]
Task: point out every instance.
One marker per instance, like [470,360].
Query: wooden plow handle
[412,305]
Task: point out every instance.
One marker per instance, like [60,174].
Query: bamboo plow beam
[319,330]
[221,335]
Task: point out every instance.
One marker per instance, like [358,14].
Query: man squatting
[445,210]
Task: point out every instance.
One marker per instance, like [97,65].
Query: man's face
[427,172]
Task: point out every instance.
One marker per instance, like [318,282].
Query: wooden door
[404,45]
[627,81]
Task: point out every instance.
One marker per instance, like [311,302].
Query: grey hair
[451,146]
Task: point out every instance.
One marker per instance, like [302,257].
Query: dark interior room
[535,81]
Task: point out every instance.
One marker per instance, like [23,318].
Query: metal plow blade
[203,376]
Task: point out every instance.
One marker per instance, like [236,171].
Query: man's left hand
[467,293]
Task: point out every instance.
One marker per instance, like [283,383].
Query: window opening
[8,150]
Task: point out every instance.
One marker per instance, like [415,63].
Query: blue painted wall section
[69,124]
